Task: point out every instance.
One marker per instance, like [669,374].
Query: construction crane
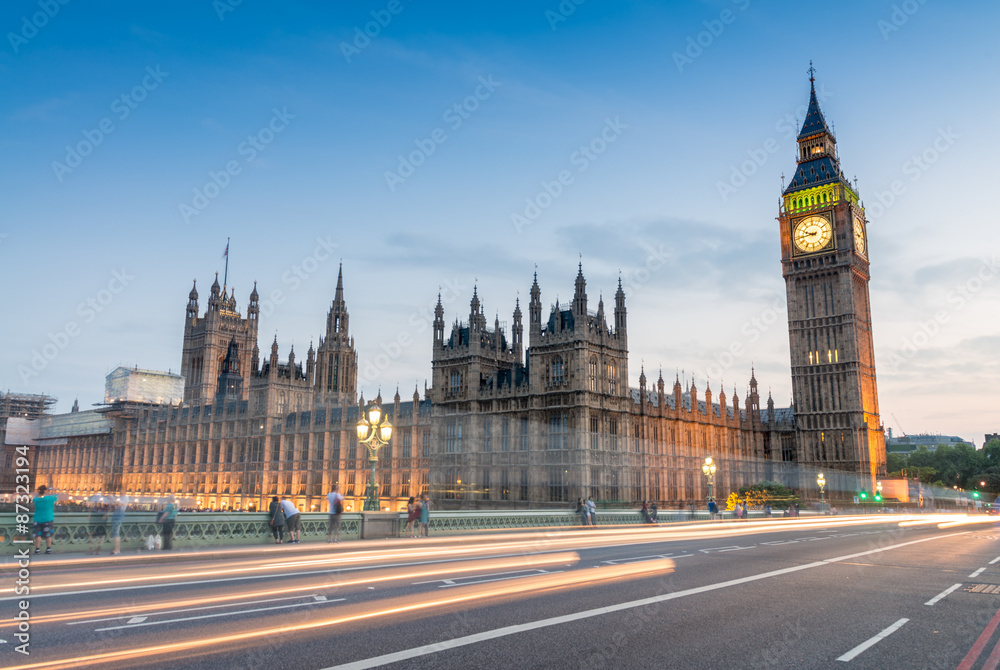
[899,425]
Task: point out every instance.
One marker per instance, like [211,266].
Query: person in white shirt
[336,502]
[293,521]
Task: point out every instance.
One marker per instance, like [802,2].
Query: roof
[823,170]
[814,123]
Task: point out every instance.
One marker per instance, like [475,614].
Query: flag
[225,254]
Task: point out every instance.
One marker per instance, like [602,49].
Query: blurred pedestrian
[44,518]
[336,502]
[425,515]
[412,517]
[168,517]
[581,510]
[97,525]
[293,520]
[117,519]
[276,519]
[592,510]
[713,509]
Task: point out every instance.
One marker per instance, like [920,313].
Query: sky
[436,146]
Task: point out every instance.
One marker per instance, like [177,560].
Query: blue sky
[677,97]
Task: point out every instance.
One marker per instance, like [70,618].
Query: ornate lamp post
[374,431]
[821,482]
[709,469]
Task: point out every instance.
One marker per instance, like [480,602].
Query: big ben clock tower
[824,259]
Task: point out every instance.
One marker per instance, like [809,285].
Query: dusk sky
[136,140]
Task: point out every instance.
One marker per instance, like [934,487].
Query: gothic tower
[824,259]
[336,367]
[207,339]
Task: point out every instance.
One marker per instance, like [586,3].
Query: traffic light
[863,495]
[878,497]
[975,494]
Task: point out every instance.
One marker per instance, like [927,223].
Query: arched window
[612,378]
[558,371]
[592,374]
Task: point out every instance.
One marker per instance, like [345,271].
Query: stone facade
[509,423]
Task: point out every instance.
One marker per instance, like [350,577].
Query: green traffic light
[878,497]
[975,494]
[863,495]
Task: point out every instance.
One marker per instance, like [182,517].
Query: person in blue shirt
[44,518]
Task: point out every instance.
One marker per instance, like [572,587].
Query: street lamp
[821,482]
[878,491]
[709,469]
[374,431]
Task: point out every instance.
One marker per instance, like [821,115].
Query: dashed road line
[941,595]
[873,641]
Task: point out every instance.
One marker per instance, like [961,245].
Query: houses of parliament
[506,421]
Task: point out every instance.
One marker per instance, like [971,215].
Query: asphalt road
[834,592]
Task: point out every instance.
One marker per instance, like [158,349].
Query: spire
[192,306]
[254,296]
[338,296]
[814,123]
[580,296]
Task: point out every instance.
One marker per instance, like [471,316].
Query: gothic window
[592,374]
[595,427]
[524,434]
[453,437]
[425,444]
[559,430]
[558,371]
[282,402]
[407,448]
[487,435]
[505,435]
[455,381]
[612,378]
[613,434]
[557,485]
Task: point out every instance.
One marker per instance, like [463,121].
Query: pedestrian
[293,520]
[654,513]
[97,525]
[737,511]
[744,515]
[767,510]
[692,508]
[276,520]
[44,518]
[425,515]
[168,518]
[412,517]
[336,502]
[117,518]
[581,510]
[713,509]
[645,512]
[591,511]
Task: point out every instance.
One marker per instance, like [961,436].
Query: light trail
[527,562]
[458,596]
[600,537]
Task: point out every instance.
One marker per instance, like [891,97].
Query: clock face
[812,233]
[859,235]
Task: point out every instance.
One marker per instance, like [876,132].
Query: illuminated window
[836,356]
[810,358]
[829,356]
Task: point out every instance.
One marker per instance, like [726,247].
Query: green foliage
[778,495]
[959,465]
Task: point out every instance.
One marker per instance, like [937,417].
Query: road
[829,592]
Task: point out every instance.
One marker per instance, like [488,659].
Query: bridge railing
[75,531]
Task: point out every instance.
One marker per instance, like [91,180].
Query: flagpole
[225,277]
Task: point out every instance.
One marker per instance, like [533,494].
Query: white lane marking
[942,594]
[722,549]
[502,579]
[994,560]
[977,573]
[136,619]
[777,542]
[872,642]
[451,580]
[454,643]
[634,559]
[193,609]
[212,616]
